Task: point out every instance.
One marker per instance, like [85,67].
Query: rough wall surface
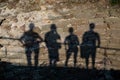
[64,13]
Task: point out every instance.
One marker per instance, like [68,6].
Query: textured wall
[64,13]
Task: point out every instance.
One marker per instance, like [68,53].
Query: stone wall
[64,13]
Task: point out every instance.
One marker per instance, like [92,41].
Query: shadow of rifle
[117,49]
[106,59]
[9,38]
[1,37]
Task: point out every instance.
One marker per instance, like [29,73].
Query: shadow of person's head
[91,26]
[53,27]
[31,26]
[71,30]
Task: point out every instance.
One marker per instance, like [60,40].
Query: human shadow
[30,41]
[90,42]
[71,43]
[53,46]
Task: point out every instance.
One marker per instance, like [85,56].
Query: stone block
[79,33]
[101,26]
[84,13]
[115,33]
[112,20]
[101,13]
[113,45]
[60,31]
[65,34]
[82,29]
[65,29]
[115,40]
[45,27]
[62,23]
[101,51]
[117,53]
[115,26]
[100,31]
[18,61]
[54,17]
[103,43]
[111,51]
[96,21]
[13,55]
[81,21]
